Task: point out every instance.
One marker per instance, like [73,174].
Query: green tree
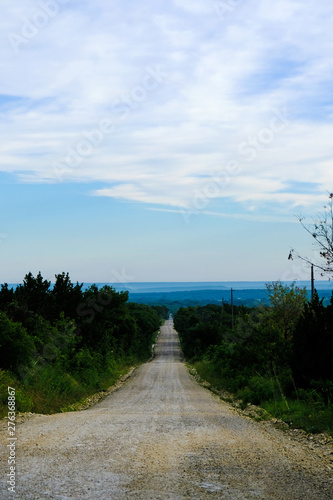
[162,311]
[65,296]
[287,304]
[6,296]
[34,294]
[313,343]
[16,347]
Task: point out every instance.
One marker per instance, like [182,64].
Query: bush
[312,418]
[65,343]
[23,401]
[16,347]
[262,389]
[85,368]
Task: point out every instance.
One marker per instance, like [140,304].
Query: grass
[305,410]
[51,391]
[47,388]
[301,415]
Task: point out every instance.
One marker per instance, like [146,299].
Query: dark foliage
[278,349]
[313,343]
[76,331]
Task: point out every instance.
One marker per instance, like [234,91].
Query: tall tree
[313,343]
[34,294]
[66,297]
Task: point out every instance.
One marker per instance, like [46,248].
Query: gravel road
[161,436]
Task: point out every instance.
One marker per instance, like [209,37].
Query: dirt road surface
[161,436]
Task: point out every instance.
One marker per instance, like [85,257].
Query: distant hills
[185,294]
[175,299]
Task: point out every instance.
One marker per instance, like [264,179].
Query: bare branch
[321,230]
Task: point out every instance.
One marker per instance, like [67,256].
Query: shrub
[85,368]
[16,347]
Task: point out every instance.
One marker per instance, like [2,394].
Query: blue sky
[163,141]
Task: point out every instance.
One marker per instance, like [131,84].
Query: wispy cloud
[234,216]
[226,79]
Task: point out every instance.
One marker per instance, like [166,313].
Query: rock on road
[161,436]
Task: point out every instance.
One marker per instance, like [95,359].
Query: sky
[160,140]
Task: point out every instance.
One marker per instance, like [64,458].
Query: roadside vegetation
[60,344]
[279,357]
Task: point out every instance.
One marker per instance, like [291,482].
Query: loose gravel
[162,436]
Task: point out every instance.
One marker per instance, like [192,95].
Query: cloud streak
[84,74]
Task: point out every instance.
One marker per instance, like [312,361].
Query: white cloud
[225,78]
[195,6]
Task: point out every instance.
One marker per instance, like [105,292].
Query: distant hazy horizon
[160,286]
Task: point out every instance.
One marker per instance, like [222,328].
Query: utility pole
[232,309]
[312,282]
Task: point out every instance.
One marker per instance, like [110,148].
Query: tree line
[76,340]
[280,356]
